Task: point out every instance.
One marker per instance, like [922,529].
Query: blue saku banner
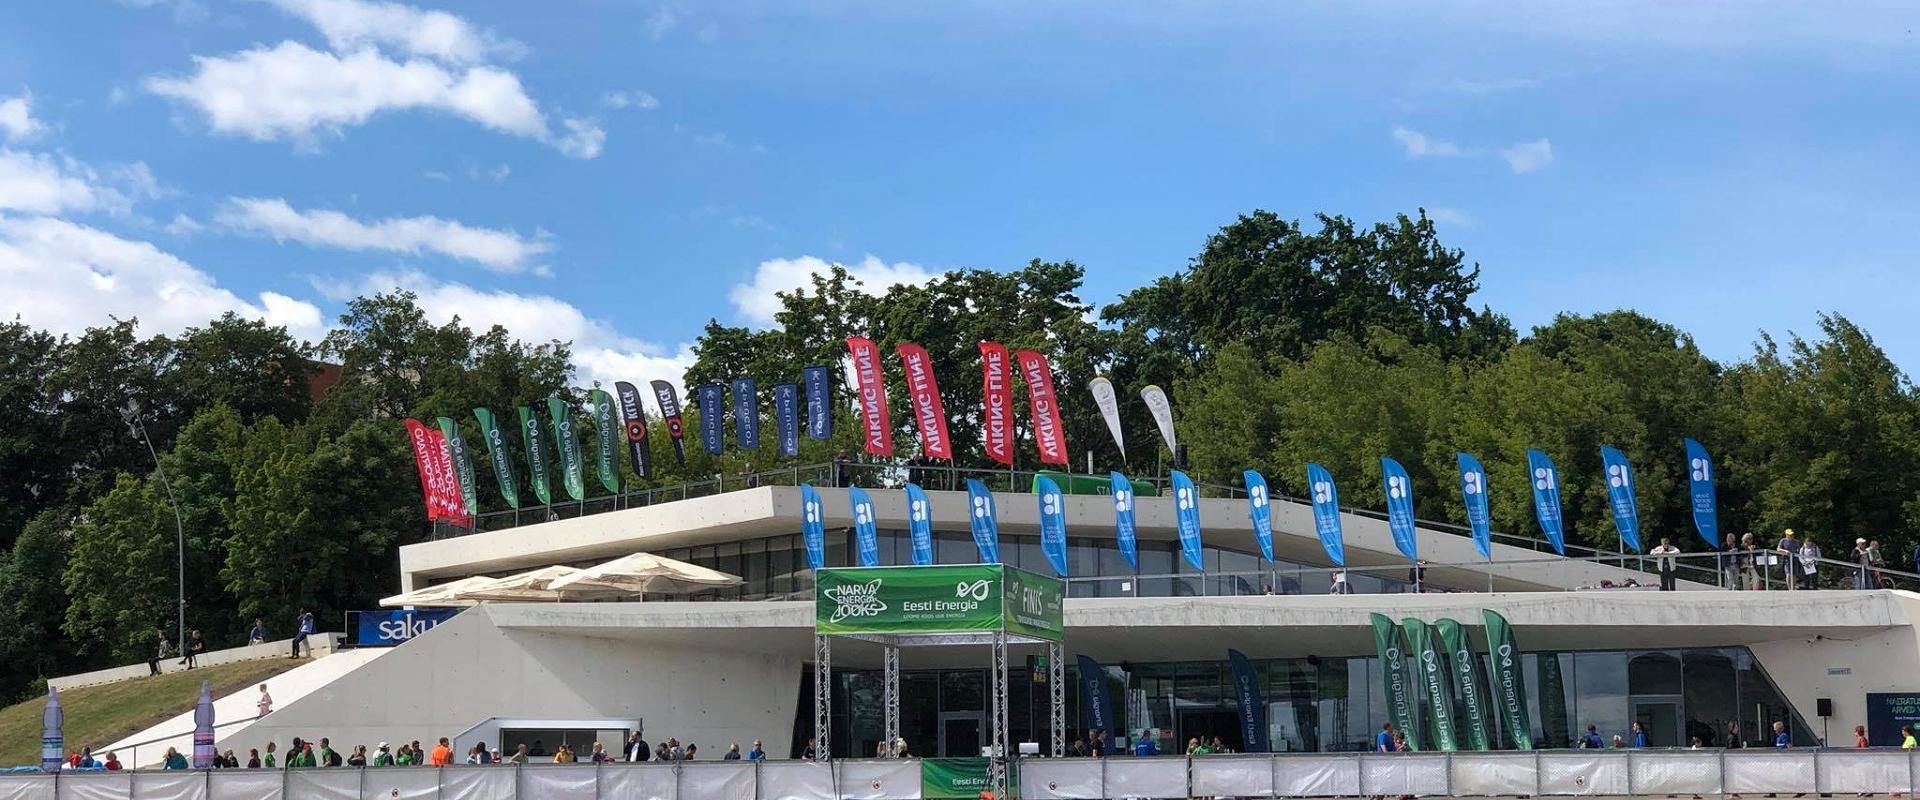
[746,413]
[712,417]
[866,538]
[1053,523]
[1400,508]
[1473,494]
[1260,509]
[1186,516]
[813,526]
[1253,710]
[819,402]
[920,524]
[1326,512]
[1706,511]
[982,521]
[1123,531]
[1620,490]
[391,628]
[1093,695]
[786,417]
[1546,499]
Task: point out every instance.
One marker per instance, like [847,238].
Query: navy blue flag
[786,417]
[1400,508]
[1620,491]
[982,520]
[707,399]
[812,526]
[1706,511]
[1253,710]
[1186,516]
[1546,499]
[1326,513]
[819,402]
[1053,523]
[1260,509]
[1473,494]
[1123,531]
[1093,694]
[920,524]
[746,414]
[865,537]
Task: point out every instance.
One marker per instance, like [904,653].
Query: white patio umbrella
[441,595]
[641,573]
[534,586]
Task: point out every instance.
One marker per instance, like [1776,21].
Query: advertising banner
[920,524]
[1186,518]
[669,401]
[1162,412]
[713,417]
[633,414]
[1509,691]
[1260,509]
[972,598]
[497,453]
[462,464]
[1887,712]
[746,414]
[567,438]
[445,479]
[1109,405]
[1097,708]
[431,492]
[954,778]
[866,537]
[813,530]
[923,392]
[983,521]
[1706,510]
[876,426]
[1326,513]
[786,418]
[534,438]
[1400,508]
[1394,687]
[1036,604]
[1049,436]
[819,383]
[1466,682]
[1546,499]
[1123,530]
[1053,523]
[1620,491]
[1433,682]
[1473,494]
[996,420]
[1253,710]
[387,628]
[608,429]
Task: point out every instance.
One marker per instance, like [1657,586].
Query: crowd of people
[1747,562]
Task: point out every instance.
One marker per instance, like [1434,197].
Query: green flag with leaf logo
[1433,681]
[497,452]
[1509,692]
[608,432]
[567,437]
[462,464]
[1466,681]
[536,442]
[1398,693]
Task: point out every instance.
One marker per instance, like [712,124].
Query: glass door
[1660,718]
[962,734]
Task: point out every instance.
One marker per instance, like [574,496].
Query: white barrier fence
[1549,773]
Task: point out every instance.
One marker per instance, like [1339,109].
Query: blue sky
[618,172]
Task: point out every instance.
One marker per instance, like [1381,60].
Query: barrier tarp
[395,783]
[1061,779]
[1495,774]
[560,781]
[796,780]
[891,779]
[718,780]
[1403,773]
[178,785]
[1584,772]
[1675,772]
[1315,776]
[1876,772]
[646,781]
[325,784]
[492,783]
[1233,776]
[96,786]
[26,787]
[1768,771]
[1145,777]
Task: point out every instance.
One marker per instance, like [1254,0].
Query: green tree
[256,369]
[31,604]
[32,454]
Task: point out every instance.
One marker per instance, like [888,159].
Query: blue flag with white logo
[1326,513]
[865,537]
[1253,710]
[1400,508]
[920,524]
[812,526]
[786,417]
[982,521]
[1620,491]
[1093,695]
[1123,520]
[707,397]
[746,413]
[1260,509]
[819,402]
[1053,523]
[1186,516]
[1706,511]
[1546,499]
[1473,494]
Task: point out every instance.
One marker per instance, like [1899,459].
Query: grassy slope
[96,715]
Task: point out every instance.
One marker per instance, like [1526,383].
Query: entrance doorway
[1207,724]
[1660,718]
[961,734]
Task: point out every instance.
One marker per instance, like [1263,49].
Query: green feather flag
[1399,693]
[497,453]
[462,464]
[1466,681]
[1509,692]
[567,437]
[1426,666]
[536,442]
[609,431]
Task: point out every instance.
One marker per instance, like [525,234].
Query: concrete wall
[1844,667]
[322,644]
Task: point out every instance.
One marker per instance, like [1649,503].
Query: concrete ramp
[148,748]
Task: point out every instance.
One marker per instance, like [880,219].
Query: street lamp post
[131,415]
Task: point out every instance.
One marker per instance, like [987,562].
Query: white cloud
[185,12]
[1450,216]
[184,226]
[1418,145]
[1528,157]
[37,183]
[756,301]
[65,277]
[16,118]
[661,22]
[630,99]
[498,250]
[355,24]
[600,352]
[291,91]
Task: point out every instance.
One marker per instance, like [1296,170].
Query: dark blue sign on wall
[1886,712]
[392,628]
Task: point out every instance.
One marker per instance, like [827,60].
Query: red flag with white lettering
[446,481]
[997,420]
[876,427]
[436,484]
[924,392]
[1048,435]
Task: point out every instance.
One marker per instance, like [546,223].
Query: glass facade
[1328,704]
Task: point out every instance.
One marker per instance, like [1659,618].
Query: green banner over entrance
[933,600]
[951,778]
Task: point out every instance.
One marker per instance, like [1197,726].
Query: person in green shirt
[267,760]
[406,758]
[302,758]
[384,758]
[327,756]
[174,760]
